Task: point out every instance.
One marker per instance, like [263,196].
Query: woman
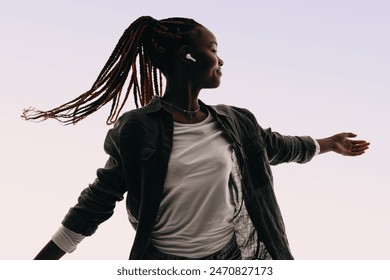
[197,177]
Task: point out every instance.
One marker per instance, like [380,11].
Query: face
[207,68]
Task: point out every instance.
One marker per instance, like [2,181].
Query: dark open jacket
[139,146]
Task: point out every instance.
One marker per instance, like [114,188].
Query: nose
[220,61]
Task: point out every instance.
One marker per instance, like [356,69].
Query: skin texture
[185,84]
[341,144]
[50,252]
[183,88]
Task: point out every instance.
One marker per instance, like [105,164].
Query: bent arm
[95,203]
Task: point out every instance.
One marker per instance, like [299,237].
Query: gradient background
[303,67]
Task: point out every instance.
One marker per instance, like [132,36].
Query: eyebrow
[214,42]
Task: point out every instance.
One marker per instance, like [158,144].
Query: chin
[215,83]
[213,86]
[218,83]
[212,83]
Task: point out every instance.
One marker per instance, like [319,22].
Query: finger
[358,150]
[360,145]
[357,153]
[358,141]
[349,134]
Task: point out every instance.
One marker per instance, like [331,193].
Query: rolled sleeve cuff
[66,239]
[318,149]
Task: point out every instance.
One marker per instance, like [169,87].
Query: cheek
[206,71]
[211,65]
[208,61]
[214,61]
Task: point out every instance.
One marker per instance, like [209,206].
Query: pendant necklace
[187,113]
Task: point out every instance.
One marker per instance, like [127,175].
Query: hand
[348,147]
[341,144]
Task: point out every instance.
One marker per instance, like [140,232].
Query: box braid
[144,51]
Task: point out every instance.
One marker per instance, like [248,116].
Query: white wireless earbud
[189,56]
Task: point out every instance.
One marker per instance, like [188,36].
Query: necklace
[185,112]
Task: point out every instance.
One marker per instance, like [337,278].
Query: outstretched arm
[341,144]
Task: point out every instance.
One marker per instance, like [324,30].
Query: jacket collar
[155,105]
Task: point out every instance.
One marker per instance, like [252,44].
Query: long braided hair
[143,53]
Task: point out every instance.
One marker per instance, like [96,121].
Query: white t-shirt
[196,212]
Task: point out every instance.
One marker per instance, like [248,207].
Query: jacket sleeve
[282,148]
[96,203]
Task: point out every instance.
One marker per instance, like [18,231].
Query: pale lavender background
[303,67]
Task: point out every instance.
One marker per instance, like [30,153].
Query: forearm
[50,252]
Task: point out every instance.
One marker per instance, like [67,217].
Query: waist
[230,251]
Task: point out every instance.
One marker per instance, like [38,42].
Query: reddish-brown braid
[143,52]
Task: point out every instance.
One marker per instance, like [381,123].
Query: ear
[183,51]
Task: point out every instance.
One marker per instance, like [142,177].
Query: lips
[219,71]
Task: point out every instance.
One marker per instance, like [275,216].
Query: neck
[182,96]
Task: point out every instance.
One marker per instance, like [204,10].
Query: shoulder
[133,131]
[237,113]
[133,115]
[132,125]
[145,116]
[240,121]
[136,118]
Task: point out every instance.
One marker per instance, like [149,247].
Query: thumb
[350,134]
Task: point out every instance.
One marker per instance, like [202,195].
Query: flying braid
[143,53]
